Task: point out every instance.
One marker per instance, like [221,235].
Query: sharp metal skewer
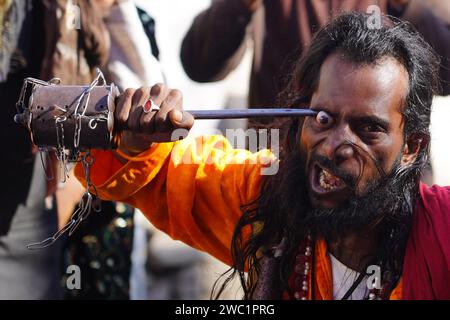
[250,113]
[235,113]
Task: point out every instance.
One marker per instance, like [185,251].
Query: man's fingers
[140,97]
[159,125]
[159,122]
[178,123]
[181,119]
[123,107]
[158,93]
[174,100]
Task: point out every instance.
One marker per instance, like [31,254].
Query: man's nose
[339,145]
[343,152]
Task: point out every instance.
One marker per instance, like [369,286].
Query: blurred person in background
[161,268]
[120,254]
[102,245]
[40,39]
[282,29]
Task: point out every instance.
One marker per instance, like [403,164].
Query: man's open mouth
[323,182]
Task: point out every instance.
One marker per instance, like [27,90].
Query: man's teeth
[328,181]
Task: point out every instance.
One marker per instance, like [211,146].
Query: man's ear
[414,144]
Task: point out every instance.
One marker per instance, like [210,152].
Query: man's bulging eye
[323,119]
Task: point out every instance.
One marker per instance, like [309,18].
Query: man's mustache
[349,179]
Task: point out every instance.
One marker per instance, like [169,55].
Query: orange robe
[193,190]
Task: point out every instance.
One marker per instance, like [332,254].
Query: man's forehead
[367,89]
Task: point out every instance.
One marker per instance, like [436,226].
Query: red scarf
[426,269]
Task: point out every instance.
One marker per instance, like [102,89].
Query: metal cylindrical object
[68,116]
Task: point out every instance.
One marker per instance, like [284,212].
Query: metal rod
[233,114]
[250,113]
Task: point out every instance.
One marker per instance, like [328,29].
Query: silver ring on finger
[150,106]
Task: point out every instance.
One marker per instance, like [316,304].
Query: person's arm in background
[215,43]
[131,62]
[94,38]
[436,30]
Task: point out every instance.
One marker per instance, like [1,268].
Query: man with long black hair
[347,199]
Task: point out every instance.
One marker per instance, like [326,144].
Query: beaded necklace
[304,274]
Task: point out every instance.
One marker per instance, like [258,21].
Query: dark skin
[364,103]
[365,106]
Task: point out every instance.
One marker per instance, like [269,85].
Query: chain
[89,201]
[61,154]
[79,114]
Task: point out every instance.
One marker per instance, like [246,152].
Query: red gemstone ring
[150,106]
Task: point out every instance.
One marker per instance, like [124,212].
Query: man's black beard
[380,201]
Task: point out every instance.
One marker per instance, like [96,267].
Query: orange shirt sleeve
[191,189]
